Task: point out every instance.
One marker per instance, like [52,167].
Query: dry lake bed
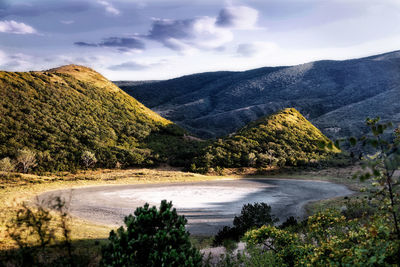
[208,205]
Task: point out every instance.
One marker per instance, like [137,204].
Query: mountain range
[61,114]
[336,96]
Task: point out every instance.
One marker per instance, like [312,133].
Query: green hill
[62,112]
[284,138]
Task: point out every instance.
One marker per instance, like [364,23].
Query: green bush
[151,238]
[329,239]
[251,216]
[6,165]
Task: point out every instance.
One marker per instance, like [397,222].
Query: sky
[161,39]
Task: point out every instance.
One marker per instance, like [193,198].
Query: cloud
[109,7]
[247,50]
[2,57]
[67,22]
[241,17]
[122,43]
[84,44]
[131,65]
[203,32]
[184,35]
[11,26]
[256,49]
[42,7]
[15,61]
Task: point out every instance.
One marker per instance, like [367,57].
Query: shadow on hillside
[85,252]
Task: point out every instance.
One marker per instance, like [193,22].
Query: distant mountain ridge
[336,96]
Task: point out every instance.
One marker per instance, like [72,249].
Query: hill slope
[62,112]
[334,95]
[284,138]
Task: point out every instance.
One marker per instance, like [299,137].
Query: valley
[199,133]
[73,136]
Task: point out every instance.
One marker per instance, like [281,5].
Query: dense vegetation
[63,114]
[284,138]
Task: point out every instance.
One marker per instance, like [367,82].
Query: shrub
[26,159]
[88,159]
[226,233]
[290,222]
[329,239]
[151,238]
[6,165]
[251,216]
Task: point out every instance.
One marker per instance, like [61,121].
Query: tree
[26,159]
[251,216]
[35,230]
[252,158]
[88,159]
[381,168]
[151,238]
[6,165]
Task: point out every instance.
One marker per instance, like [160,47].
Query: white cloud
[256,49]
[241,17]
[2,58]
[136,65]
[189,34]
[15,62]
[11,26]
[109,7]
[205,32]
[67,22]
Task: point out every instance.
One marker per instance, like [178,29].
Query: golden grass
[90,76]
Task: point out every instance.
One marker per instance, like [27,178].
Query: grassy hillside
[284,138]
[62,112]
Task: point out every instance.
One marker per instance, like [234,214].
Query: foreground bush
[251,216]
[329,239]
[151,238]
